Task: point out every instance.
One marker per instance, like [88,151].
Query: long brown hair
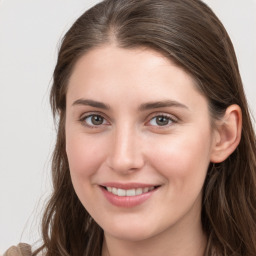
[189,33]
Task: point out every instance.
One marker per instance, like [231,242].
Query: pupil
[161,120]
[97,120]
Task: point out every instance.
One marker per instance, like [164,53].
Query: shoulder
[19,250]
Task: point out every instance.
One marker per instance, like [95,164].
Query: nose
[125,154]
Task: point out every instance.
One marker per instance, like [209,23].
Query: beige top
[19,250]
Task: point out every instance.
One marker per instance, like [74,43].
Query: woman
[155,152]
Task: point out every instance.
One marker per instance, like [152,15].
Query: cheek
[85,158]
[84,154]
[183,160]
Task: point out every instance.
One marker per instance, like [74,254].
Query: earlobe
[227,134]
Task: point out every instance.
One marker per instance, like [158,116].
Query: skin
[130,146]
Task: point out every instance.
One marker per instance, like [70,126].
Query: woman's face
[138,141]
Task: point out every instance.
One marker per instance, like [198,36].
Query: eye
[94,120]
[161,120]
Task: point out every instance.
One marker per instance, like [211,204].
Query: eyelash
[171,120]
[83,120]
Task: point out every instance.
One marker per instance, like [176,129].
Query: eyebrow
[92,103]
[142,107]
[161,104]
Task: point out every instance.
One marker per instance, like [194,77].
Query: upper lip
[127,185]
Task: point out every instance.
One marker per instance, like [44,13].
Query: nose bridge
[125,154]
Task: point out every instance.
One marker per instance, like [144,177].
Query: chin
[130,232]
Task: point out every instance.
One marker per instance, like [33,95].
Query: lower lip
[127,201]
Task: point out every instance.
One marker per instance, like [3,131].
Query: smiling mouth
[129,192]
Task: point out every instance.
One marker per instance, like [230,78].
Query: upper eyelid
[91,113]
[171,116]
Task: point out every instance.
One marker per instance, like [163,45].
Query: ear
[227,134]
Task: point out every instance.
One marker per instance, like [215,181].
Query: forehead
[142,74]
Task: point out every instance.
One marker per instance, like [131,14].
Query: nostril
[124,164]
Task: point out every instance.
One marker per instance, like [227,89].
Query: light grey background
[30,31]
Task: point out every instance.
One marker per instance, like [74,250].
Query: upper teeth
[129,192]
